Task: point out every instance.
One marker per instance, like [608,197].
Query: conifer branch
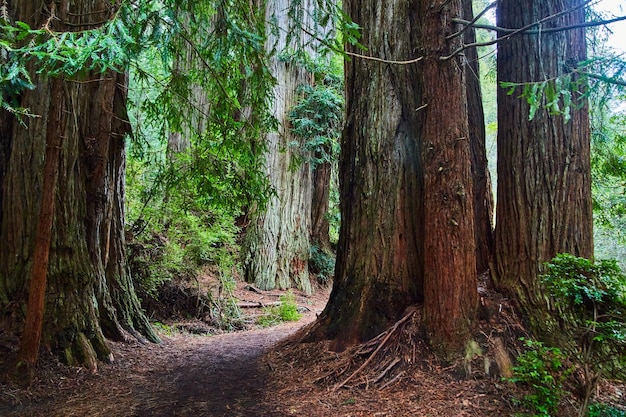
[499,29]
[527,29]
[355,55]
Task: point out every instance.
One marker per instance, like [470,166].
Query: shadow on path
[223,377]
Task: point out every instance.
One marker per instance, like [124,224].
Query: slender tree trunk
[319,212]
[450,286]
[544,191]
[483,193]
[89,294]
[31,336]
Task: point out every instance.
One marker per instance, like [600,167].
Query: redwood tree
[450,288]
[483,193]
[320,224]
[276,247]
[89,294]
[544,181]
[407,232]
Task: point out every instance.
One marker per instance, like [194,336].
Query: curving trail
[222,377]
[186,375]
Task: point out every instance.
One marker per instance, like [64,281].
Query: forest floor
[255,372]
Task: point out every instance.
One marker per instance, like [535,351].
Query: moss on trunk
[88,288]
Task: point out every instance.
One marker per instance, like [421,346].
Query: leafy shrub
[603,410]
[286,311]
[163,328]
[153,260]
[317,119]
[172,240]
[590,300]
[542,370]
[322,264]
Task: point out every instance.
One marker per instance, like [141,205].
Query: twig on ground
[382,343]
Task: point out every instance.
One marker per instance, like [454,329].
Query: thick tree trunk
[483,193]
[379,264]
[277,239]
[544,191]
[198,106]
[405,182]
[89,293]
[450,285]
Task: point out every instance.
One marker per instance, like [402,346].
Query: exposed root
[398,365]
[375,364]
[379,345]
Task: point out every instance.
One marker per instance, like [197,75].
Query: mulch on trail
[264,373]
[186,375]
[397,374]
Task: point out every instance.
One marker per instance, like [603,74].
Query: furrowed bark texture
[483,193]
[544,191]
[89,293]
[277,239]
[450,290]
[319,208]
[379,256]
[405,182]
[31,336]
[195,121]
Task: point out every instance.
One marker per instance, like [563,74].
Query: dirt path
[217,377]
[223,375]
[186,375]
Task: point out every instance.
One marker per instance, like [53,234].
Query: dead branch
[499,29]
[387,369]
[392,381]
[257,304]
[382,343]
[514,32]
[261,292]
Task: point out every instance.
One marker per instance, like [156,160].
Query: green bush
[589,300]
[286,311]
[322,264]
[603,410]
[542,370]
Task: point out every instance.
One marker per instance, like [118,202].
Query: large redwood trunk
[405,182]
[276,247]
[89,294]
[379,267]
[544,181]
[450,286]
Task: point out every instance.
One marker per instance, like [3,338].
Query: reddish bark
[405,182]
[544,180]
[450,286]
[319,210]
[31,336]
[89,294]
[483,193]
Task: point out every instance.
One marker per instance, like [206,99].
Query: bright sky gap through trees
[617,39]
